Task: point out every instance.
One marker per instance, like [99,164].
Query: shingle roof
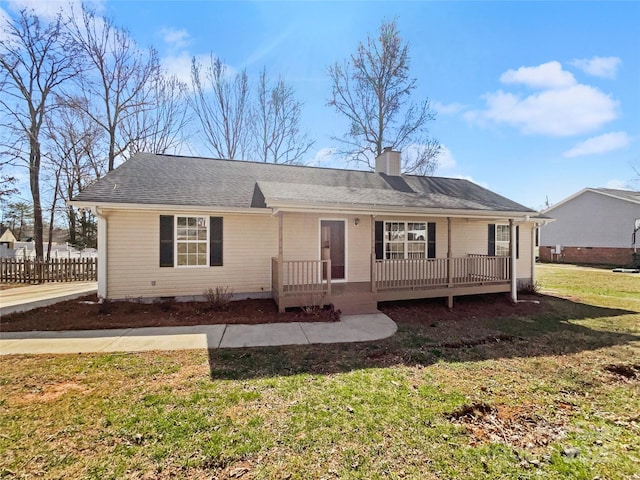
[172,180]
[622,194]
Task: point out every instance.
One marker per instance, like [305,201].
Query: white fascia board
[398,211]
[104,206]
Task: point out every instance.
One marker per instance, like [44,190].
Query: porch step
[355,303]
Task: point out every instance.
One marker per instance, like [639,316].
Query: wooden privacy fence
[55,270]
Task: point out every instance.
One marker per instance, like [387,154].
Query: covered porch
[298,283]
[382,275]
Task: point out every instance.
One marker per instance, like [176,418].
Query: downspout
[102,254]
[512,249]
[533,254]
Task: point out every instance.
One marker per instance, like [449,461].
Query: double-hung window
[500,240]
[404,240]
[503,236]
[191,241]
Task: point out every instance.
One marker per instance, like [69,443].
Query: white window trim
[406,240]
[346,247]
[176,241]
[502,242]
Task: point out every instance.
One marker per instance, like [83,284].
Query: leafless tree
[275,123]
[118,78]
[77,159]
[372,91]
[36,59]
[161,127]
[220,101]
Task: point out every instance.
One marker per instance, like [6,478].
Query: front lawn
[553,393]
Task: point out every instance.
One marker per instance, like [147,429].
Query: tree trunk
[34,182]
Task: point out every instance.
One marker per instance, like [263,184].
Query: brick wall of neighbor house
[595,255]
[249,242]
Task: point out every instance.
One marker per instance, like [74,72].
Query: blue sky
[533,99]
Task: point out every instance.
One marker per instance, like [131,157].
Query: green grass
[383,409]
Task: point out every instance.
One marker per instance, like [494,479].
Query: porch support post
[512,251]
[102,255]
[533,254]
[449,257]
[280,263]
[374,287]
[280,222]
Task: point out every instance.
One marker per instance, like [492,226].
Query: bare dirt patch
[516,426]
[87,314]
[48,392]
[624,371]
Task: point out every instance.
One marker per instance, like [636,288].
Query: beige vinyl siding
[301,234]
[470,236]
[249,242]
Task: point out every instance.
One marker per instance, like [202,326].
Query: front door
[332,247]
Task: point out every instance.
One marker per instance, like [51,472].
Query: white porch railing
[434,272]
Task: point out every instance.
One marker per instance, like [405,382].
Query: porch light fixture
[356,222]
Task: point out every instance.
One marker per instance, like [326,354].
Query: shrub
[105,307]
[165,304]
[530,289]
[218,298]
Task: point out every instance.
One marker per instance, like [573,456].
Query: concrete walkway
[22,299]
[351,328]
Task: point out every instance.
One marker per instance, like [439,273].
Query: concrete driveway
[21,299]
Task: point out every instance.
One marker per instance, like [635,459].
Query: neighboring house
[176,226]
[27,250]
[7,238]
[596,225]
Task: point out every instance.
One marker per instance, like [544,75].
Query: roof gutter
[104,206]
[405,211]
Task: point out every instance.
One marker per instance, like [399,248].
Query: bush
[165,304]
[530,289]
[218,298]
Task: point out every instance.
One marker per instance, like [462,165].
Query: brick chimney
[388,162]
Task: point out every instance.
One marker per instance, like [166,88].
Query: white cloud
[447,109]
[600,144]
[605,67]
[617,184]
[178,65]
[326,157]
[4,20]
[174,38]
[48,9]
[562,108]
[446,160]
[545,76]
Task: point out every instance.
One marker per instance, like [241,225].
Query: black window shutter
[166,240]
[492,240]
[379,240]
[215,241]
[517,241]
[431,240]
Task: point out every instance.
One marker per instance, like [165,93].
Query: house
[176,226]
[7,238]
[596,225]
